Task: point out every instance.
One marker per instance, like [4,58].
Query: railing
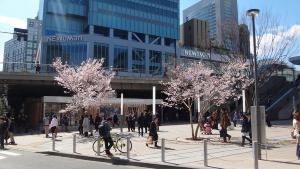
[21,67]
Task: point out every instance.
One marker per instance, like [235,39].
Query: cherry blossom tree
[190,82]
[88,83]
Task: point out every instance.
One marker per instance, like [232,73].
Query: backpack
[102,130]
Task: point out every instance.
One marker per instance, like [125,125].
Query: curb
[131,163]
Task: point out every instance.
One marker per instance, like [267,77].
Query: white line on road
[9,153]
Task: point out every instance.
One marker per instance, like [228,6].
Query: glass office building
[133,36]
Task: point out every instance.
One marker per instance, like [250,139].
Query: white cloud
[13,22]
[277,37]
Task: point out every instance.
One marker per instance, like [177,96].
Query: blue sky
[13,13]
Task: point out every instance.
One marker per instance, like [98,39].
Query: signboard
[194,54]
[64,38]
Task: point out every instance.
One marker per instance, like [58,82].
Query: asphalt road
[26,160]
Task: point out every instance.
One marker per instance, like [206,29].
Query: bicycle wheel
[122,145]
[101,145]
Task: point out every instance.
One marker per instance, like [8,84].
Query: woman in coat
[86,125]
[246,129]
[225,122]
[153,132]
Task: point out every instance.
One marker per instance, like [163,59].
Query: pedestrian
[148,120]
[153,132]
[141,124]
[80,128]
[104,132]
[38,68]
[11,129]
[268,120]
[115,120]
[145,121]
[296,129]
[46,125]
[129,119]
[86,125]
[225,122]
[53,126]
[207,127]
[3,128]
[134,118]
[97,121]
[92,124]
[236,118]
[246,129]
[65,123]
[215,119]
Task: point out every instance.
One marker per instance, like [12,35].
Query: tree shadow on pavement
[283,162]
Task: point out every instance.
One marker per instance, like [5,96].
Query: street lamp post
[253,13]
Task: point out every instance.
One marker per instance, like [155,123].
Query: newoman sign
[64,38]
[193,54]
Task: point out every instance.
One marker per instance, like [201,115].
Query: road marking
[9,153]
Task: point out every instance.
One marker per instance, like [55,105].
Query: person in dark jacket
[246,129]
[3,129]
[225,122]
[141,124]
[108,141]
[115,120]
[97,122]
[80,127]
[153,132]
[148,119]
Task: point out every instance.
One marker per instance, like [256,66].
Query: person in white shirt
[53,126]
[86,125]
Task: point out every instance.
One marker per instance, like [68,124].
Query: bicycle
[120,144]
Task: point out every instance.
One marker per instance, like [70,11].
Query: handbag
[150,140]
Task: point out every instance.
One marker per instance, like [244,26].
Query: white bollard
[53,143]
[128,147]
[205,153]
[98,147]
[255,154]
[163,151]
[74,143]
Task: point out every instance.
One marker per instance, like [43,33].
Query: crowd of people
[220,120]
[7,128]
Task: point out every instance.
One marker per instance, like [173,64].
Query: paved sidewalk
[180,151]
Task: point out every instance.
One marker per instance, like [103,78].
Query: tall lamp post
[253,13]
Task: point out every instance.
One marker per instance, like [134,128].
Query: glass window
[138,60]
[155,62]
[101,51]
[121,58]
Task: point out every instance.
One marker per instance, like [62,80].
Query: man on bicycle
[104,131]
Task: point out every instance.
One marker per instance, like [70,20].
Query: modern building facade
[222,16]
[20,52]
[133,36]
[194,33]
[244,40]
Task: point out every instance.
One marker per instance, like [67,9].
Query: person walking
[11,130]
[296,127]
[97,121]
[104,131]
[3,128]
[80,128]
[141,124]
[148,120]
[53,126]
[225,122]
[115,120]
[46,126]
[86,125]
[92,124]
[246,129]
[236,118]
[65,123]
[153,132]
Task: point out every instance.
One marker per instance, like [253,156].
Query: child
[207,127]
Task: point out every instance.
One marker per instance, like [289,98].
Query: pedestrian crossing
[5,154]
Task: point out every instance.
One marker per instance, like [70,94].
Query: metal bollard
[74,143]
[53,143]
[205,153]
[163,151]
[255,154]
[98,147]
[128,147]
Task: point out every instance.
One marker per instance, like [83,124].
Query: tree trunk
[191,122]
